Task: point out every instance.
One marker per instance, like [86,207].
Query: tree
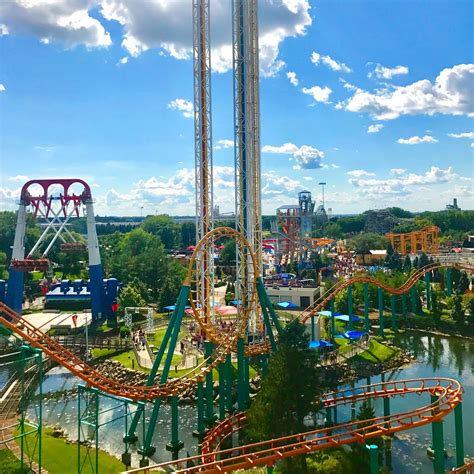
[368,241]
[394,262]
[334,230]
[3,266]
[457,313]
[163,227]
[423,260]
[287,394]
[130,298]
[470,310]
[188,234]
[407,264]
[435,307]
[228,254]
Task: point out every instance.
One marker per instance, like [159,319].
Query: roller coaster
[448,393]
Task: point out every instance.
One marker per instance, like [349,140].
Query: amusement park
[292,342]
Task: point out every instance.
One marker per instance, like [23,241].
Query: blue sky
[102,90]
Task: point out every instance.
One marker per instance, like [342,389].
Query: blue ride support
[458,424]
[428,290]
[241,405]
[171,336]
[210,415]
[438,440]
[366,307]
[413,298]
[350,306]
[374,458]
[449,282]
[175,445]
[313,329]
[393,304]
[201,429]
[381,321]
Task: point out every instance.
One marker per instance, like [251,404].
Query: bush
[124,331]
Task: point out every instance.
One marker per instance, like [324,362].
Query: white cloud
[416,140]
[225,143]
[123,60]
[292,78]
[275,184]
[2,88]
[19,178]
[382,72]
[375,128]
[469,135]
[359,173]
[306,156]
[66,21]
[398,171]
[450,94]
[167,26]
[183,105]
[319,94]
[472,145]
[331,63]
[308,178]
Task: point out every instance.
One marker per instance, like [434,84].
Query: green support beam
[241,405]
[449,282]
[428,290]
[459,435]
[228,369]
[350,306]
[313,329]
[175,445]
[413,297]
[333,322]
[438,441]
[366,307]
[199,433]
[374,458]
[381,321]
[393,304]
[404,305]
[222,390]
[210,415]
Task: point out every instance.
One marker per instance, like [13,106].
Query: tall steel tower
[247,138]
[203,151]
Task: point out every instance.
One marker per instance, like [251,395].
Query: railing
[94,342]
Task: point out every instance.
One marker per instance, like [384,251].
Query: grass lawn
[377,353]
[9,464]
[59,457]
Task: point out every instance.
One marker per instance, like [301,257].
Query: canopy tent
[325,313]
[345,317]
[287,305]
[320,343]
[226,310]
[173,307]
[354,334]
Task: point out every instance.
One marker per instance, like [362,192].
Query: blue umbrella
[325,313]
[318,344]
[170,308]
[287,305]
[236,302]
[354,334]
[345,317]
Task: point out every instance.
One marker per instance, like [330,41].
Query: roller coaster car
[73,247]
[30,265]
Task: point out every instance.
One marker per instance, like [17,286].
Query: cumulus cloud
[450,94]
[66,21]
[359,173]
[292,78]
[306,156]
[398,171]
[2,88]
[382,72]
[224,143]
[331,63]
[167,26]
[275,184]
[469,135]
[319,94]
[123,60]
[402,184]
[375,128]
[184,106]
[416,140]
[19,178]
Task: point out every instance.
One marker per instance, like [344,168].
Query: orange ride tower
[423,240]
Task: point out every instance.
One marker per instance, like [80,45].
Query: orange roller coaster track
[226,343]
[266,453]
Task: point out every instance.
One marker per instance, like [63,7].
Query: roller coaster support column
[386,402]
[393,304]
[404,305]
[449,282]
[228,369]
[438,441]
[413,297]
[366,307]
[241,390]
[222,390]
[459,435]
[210,415]
[267,307]
[381,321]
[350,307]
[374,458]
[171,335]
[199,433]
[428,289]
[333,323]
[313,329]
[14,297]
[175,445]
